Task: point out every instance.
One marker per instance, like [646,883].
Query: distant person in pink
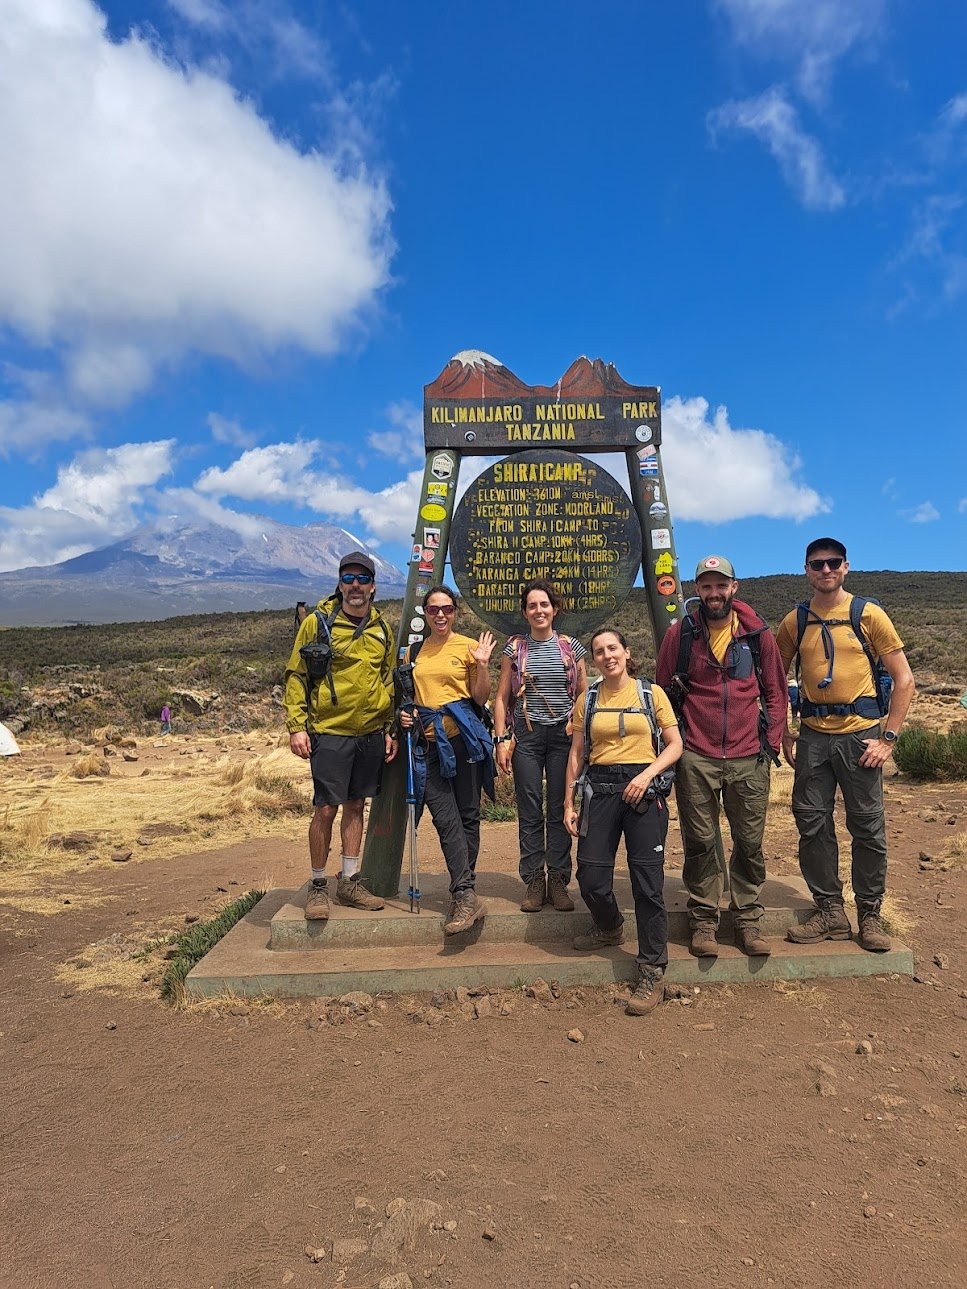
[166,719]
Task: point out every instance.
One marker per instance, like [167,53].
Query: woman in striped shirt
[541,676]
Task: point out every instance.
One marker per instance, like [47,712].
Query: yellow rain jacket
[362,674]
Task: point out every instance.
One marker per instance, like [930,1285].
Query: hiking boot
[466,910]
[598,939]
[750,940]
[829,922]
[647,994]
[351,892]
[871,936]
[317,902]
[533,901]
[557,893]
[704,944]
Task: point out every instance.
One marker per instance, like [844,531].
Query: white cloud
[925,513]
[226,430]
[716,473]
[263,24]
[774,121]
[147,212]
[391,513]
[403,443]
[810,34]
[962,506]
[93,502]
[277,472]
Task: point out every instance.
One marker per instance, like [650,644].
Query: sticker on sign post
[661,539]
[441,467]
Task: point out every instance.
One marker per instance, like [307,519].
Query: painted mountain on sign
[474,374]
[174,567]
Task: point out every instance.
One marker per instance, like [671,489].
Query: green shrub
[928,754]
[201,939]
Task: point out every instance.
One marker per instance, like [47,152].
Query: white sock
[350,865]
[318,874]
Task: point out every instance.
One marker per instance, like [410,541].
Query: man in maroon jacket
[731,700]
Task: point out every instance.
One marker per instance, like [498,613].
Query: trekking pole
[414,889]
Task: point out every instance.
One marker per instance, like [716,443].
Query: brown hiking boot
[829,922]
[533,901]
[466,910]
[317,902]
[871,936]
[598,939]
[750,940]
[647,994]
[351,892]
[704,944]
[557,893]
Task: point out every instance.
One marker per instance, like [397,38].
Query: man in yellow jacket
[339,707]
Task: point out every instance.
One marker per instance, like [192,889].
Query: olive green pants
[744,786]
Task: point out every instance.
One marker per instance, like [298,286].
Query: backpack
[874,708]
[678,688]
[519,677]
[662,783]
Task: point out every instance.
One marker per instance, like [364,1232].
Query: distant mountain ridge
[174,567]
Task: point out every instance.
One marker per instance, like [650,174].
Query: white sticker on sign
[661,539]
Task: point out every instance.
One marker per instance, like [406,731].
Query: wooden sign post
[544,510]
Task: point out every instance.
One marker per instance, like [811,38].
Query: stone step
[785,900]
[243,964]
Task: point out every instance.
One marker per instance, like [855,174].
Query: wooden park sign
[544,510]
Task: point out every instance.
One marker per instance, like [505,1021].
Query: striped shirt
[548,701]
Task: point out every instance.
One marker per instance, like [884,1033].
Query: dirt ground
[741,1139]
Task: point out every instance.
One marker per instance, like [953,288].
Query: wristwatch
[503,738]
[888,736]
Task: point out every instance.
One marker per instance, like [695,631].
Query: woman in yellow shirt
[622,799]
[450,668]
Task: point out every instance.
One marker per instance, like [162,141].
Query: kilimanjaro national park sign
[545,514]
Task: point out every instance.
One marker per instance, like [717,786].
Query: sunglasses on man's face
[363,579]
[817,565]
[434,610]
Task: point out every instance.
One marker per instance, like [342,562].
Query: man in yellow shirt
[841,743]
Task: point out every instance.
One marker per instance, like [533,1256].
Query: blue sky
[237,238]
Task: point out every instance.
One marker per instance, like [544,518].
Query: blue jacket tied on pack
[476,739]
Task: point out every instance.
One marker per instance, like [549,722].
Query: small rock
[435,1175]
[130,756]
[673,991]
[346,1251]
[358,1003]
[395,1206]
[120,856]
[111,1024]
[864,1048]
[575,1036]
[432,1016]
[539,990]
[489,1232]
[869,1211]
[450,1225]
[926,857]
[461,995]
[748,1262]
[482,1008]
[313,1253]
[506,1007]
[363,1207]
[398,1281]
[288,1277]
[951,821]
[942,961]
[191,917]
[555,987]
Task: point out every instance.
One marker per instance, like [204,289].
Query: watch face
[889,736]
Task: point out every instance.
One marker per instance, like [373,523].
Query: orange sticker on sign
[666,585]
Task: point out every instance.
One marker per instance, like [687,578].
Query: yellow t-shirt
[444,673]
[720,635]
[637,746]
[852,678]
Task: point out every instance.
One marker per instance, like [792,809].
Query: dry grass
[780,786]
[216,800]
[88,764]
[954,852]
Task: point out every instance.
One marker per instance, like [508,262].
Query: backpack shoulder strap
[647,700]
[414,650]
[686,638]
[590,703]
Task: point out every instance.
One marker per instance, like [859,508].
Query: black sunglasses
[434,610]
[363,579]
[817,565]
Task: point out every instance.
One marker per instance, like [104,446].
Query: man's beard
[716,614]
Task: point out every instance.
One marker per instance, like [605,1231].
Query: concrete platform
[274,951]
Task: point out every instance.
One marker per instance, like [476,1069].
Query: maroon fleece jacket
[721,711]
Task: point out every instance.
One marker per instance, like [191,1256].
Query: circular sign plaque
[545,514]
